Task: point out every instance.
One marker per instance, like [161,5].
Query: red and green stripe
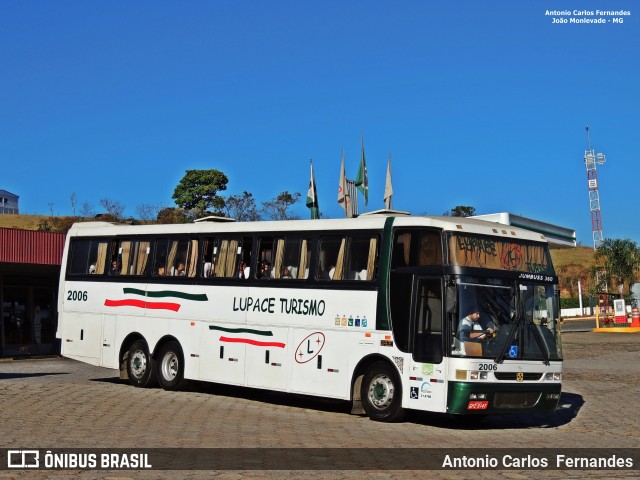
[132,302]
[248,341]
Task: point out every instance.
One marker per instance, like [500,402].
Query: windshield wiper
[509,339]
[541,345]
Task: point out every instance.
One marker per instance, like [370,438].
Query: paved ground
[60,403]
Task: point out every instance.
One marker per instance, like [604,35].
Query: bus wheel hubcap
[139,363]
[381,392]
[170,366]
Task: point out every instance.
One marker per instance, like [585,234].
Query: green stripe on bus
[242,330]
[383,310]
[198,297]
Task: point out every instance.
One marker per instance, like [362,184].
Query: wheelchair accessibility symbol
[414,393]
[513,351]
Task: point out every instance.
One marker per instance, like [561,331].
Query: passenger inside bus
[286,272]
[180,271]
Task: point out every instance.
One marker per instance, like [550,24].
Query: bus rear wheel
[140,367]
[171,366]
[382,393]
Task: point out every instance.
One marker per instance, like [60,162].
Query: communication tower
[591,159]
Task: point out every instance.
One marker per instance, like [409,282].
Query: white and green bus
[368,310]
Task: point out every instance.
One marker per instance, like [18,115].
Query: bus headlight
[477,396]
[478,375]
[553,377]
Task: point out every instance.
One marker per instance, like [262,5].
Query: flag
[388,188]
[312,196]
[362,180]
[343,193]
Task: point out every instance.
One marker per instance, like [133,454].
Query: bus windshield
[501,319]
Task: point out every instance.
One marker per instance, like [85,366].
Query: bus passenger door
[428,392]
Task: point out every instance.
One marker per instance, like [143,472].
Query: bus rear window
[88,256]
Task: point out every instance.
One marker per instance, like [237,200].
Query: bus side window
[264,267]
[88,257]
[100,260]
[181,261]
[227,257]
[331,258]
[427,329]
[417,247]
[192,259]
[133,257]
[78,264]
[210,251]
[291,258]
[160,258]
[362,258]
[401,250]
[430,249]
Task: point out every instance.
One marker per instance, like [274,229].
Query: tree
[277,208]
[461,211]
[242,207]
[87,210]
[147,212]
[620,258]
[198,190]
[113,208]
[74,200]
[172,215]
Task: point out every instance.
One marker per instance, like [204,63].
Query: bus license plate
[478,405]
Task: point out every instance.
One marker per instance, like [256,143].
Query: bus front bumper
[496,398]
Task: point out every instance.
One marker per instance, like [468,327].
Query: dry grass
[25,222]
[576,256]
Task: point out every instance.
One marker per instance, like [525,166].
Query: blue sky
[480,103]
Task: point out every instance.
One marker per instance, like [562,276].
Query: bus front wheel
[170,366]
[140,366]
[382,393]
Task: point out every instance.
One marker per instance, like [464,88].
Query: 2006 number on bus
[487,366]
[77,295]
